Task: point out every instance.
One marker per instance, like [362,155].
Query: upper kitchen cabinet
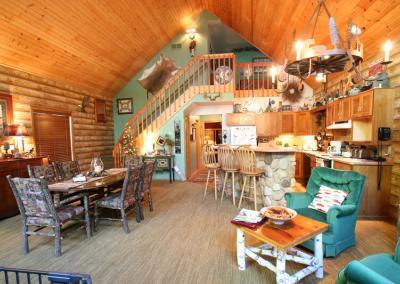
[302,123]
[288,122]
[240,119]
[268,124]
[370,110]
[362,105]
[341,110]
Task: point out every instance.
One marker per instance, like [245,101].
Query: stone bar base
[279,176]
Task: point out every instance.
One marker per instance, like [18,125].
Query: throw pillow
[326,198]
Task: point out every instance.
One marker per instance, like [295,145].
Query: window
[52,134]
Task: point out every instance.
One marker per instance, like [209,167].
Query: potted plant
[170,143]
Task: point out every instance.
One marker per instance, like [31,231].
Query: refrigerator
[243,135]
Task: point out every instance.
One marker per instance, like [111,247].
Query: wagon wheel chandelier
[317,59]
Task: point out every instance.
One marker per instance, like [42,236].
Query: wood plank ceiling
[100,45]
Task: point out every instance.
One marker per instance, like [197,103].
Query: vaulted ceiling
[99,45]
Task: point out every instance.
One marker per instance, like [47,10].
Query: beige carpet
[185,240]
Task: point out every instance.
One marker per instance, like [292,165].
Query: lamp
[20,133]
[387,47]
[192,35]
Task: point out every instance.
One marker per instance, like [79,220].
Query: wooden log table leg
[319,256]
[241,250]
[87,217]
[281,267]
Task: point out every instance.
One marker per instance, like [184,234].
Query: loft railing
[253,80]
[211,73]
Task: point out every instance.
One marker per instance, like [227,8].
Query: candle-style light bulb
[298,46]
[387,47]
[273,74]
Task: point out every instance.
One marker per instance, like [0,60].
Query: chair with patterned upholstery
[132,160]
[67,170]
[46,172]
[124,199]
[145,188]
[37,210]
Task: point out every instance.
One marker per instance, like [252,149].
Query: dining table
[68,191]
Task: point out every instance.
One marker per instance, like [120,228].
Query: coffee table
[280,242]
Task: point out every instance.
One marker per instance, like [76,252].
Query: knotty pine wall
[394,76]
[89,138]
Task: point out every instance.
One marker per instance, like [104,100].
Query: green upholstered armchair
[341,219]
[378,268]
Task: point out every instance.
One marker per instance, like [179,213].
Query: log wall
[29,92]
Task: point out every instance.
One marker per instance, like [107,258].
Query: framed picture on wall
[6,112]
[125,105]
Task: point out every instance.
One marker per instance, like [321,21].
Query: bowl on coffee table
[278,215]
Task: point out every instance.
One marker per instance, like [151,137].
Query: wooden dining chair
[46,172]
[37,210]
[67,170]
[125,199]
[145,188]
[228,160]
[209,157]
[248,169]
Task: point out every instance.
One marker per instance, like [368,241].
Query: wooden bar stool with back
[230,165]
[211,164]
[248,169]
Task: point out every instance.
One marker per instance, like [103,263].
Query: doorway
[200,130]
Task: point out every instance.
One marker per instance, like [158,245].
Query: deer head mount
[85,102]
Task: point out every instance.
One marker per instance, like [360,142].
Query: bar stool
[248,169]
[210,162]
[230,165]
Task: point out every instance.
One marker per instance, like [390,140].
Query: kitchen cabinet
[288,122]
[374,202]
[240,119]
[302,123]
[341,110]
[268,124]
[362,105]
[15,168]
[302,169]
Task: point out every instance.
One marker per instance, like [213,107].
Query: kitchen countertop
[265,149]
[349,161]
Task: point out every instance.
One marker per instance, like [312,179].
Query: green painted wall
[247,56]
[181,56]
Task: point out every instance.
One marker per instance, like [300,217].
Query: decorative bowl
[278,214]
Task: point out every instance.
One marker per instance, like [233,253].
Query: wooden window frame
[54,111]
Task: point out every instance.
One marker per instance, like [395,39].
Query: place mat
[249,225]
[69,184]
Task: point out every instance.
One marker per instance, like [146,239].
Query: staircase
[197,77]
